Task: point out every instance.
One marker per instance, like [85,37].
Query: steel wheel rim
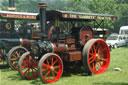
[15,57]
[29,67]
[51,71]
[98,57]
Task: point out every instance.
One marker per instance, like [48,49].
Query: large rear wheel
[14,55]
[28,66]
[50,68]
[96,56]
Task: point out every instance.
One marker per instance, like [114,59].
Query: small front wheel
[50,68]
[28,66]
[14,55]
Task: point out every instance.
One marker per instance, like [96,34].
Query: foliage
[22,5]
[115,7]
[104,7]
[79,5]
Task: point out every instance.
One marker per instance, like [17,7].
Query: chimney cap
[42,5]
[11,8]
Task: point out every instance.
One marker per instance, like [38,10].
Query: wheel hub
[52,68]
[97,56]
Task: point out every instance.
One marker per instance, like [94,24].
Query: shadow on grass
[37,81]
[15,77]
[3,66]
[74,71]
[110,83]
[66,73]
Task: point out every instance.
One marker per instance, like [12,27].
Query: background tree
[115,7]
[104,7]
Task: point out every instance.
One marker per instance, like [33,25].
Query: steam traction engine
[10,36]
[48,57]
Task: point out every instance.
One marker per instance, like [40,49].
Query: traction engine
[48,56]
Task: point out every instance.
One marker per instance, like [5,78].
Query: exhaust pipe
[42,15]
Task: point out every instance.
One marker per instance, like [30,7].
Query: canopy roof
[67,15]
[18,15]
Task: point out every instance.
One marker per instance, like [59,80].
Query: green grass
[119,58]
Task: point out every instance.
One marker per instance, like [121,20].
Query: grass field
[119,58]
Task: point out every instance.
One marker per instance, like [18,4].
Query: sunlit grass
[119,58]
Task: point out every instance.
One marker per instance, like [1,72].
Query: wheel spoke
[32,71]
[35,69]
[24,61]
[93,65]
[91,61]
[91,54]
[17,54]
[45,65]
[103,59]
[99,64]
[54,62]
[44,70]
[47,74]
[14,55]
[35,65]
[14,62]
[55,72]
[101,55]
[94,48]
[98,45]
[26,71]
[47,62]
[101,50]
[55,67]
[27,60]
[22,67]
[53,75]
[91,51]
[13,59]
[91,58]
[21,52]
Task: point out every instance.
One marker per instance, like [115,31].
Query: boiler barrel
[14,42]
[61,47]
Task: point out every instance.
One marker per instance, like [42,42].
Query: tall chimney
[11,5]
[11,8]
[42,17]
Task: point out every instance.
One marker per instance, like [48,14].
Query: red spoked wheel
[50,68]
[14,55]
[96,56]
[3,58]
[28,66]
